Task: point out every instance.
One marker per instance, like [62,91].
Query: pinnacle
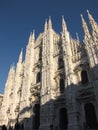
[81,16]
[20,56]
[87,11]
[49,23]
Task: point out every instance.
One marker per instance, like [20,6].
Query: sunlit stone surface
[56,86]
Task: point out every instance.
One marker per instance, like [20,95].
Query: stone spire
[93,23]
[64,26]
[65,32]
[94,28]
[85,29]
[20,56]
[12,70]
[89,45]
[11,76]
[32,37]
[45,26]
[49,23]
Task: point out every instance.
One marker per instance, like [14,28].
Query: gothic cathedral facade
[56,86]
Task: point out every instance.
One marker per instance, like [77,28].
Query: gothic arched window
[60,63]
[38,77]
[62,85]
[84,77]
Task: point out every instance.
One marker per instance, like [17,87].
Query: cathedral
[55,86]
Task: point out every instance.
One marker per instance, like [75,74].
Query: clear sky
[19,17]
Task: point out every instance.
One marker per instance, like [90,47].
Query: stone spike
[45,26]
[49,23]
[64,26]
[84,25]
[20,56]
[33,35]
[91,20]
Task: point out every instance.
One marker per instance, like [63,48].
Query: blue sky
[19,17]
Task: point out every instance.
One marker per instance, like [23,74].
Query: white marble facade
[55,87]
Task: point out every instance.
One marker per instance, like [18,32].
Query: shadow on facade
[73,109]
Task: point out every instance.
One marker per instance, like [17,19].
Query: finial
[49,23]
[33,35]
[45,26]
[63,18]
[81,16]
[89,15]
[92,22]
[87,11]
[83,21]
